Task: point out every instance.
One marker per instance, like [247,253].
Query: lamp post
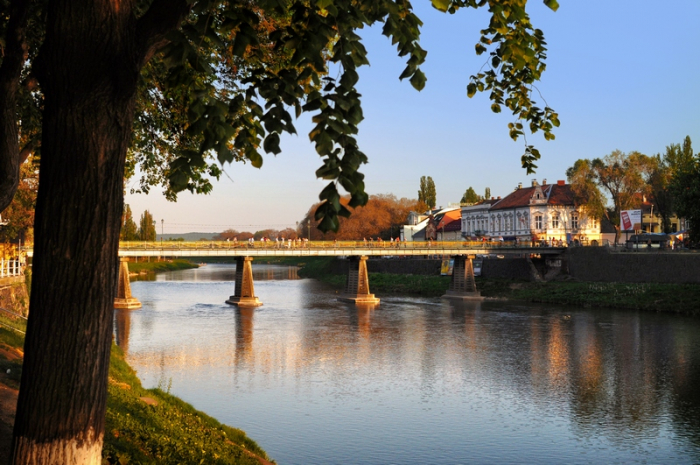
[162,222]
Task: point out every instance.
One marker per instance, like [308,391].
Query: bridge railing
[361,244]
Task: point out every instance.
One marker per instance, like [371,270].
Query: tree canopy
[426,192]
[470,196]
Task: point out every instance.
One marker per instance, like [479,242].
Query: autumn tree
[621,175]
[381,217]
[81,76]
[129,230]
[587,193]
[18,217]
[470,197]
[426,193]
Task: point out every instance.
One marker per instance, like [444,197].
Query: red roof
[451,221]
[555,194]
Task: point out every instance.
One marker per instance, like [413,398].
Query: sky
[621,75]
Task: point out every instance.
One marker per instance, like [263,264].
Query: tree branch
[10,71]
[162,17]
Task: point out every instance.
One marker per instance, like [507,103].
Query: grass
[169,431]
[660,297]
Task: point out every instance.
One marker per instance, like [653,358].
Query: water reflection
[490,381]
[244,334]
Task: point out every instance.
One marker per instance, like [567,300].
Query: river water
[419,381]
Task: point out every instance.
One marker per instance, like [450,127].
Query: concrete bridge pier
[124,299]
[245,292]
[357,283]
[463,286]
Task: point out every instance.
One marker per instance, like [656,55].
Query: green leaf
[272,143]
[418,80]
[441,5]
[552,4]
[471,90]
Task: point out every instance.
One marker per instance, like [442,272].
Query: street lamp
[161,230]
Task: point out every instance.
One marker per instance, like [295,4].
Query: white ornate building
[540,212]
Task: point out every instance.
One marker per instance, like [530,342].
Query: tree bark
[10,70]
[88,74]
[88,68]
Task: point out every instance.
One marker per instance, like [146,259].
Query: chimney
[534,182]
[499,197]
[520,185]
[561,182]
[544,182]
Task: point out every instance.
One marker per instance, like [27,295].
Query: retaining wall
[507,268]
[601,265]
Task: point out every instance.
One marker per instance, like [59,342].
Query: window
[555,221]
[538,221]
[574,220]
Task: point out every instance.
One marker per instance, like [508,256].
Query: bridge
[462,285]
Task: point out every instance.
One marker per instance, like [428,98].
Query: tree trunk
[88,77]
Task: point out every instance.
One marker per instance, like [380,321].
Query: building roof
[555,194]
[450,221]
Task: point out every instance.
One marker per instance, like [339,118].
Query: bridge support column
[463,286]
[357,283]
[245,292]
[124,299]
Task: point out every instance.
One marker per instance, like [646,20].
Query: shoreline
[141,425]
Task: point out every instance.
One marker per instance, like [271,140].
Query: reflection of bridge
[357,291]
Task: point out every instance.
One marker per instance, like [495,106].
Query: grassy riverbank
[159,266]
[661,297]
[146,426]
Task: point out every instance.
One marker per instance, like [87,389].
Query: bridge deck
[324,249]
[328,248]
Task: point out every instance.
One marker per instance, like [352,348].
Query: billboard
[630,220]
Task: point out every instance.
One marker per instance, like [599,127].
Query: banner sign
[630,220]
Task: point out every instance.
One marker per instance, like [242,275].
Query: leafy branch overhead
[228,82]
[225,84]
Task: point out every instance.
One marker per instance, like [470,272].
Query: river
[419,381]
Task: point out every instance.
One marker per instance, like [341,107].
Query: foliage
[621,175]
[381,217]
[487,193]
[231,234]
[129,230]
[587,194]
[147,227]
[685,186]
[19,215]
[426,193]
[470,197]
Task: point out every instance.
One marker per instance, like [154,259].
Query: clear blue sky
[622,75]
